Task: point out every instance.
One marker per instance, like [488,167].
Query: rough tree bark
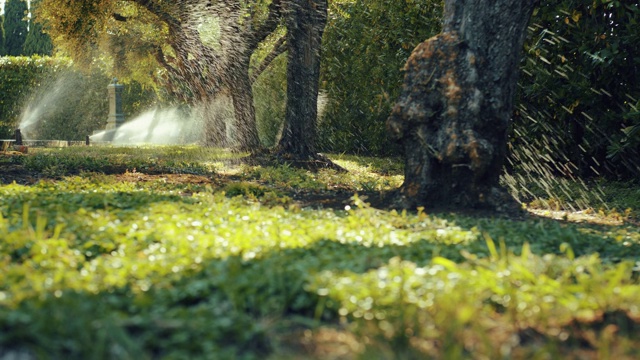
[456,105]
[305,20]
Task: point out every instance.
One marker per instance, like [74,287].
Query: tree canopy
[188,40]
[195,49]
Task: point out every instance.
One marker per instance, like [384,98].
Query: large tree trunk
[456,105]
[306,20]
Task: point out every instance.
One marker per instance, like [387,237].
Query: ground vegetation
[187,252]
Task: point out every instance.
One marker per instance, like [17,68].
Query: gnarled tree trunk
[305,20]
[456,105]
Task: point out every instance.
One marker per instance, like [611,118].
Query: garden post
[18,136]
[116,115]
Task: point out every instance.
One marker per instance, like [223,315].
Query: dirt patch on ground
[311,162]
[168,178]
[335,198]
[10,173]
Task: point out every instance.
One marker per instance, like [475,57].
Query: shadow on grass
[381,166]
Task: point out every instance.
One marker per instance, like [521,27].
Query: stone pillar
[116,115]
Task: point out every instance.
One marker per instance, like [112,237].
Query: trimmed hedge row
[48,98]
[17,76]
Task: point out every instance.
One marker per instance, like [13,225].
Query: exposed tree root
[311,162]
[495,202]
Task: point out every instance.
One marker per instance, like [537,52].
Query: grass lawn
[187,253]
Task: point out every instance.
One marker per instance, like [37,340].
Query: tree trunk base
[494,200]
[311,162]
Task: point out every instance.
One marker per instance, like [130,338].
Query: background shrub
[366,44]
[579,93]
[18,76]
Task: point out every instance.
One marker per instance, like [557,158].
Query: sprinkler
[18,137]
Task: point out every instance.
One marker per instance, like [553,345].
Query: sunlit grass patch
[485,306]
[142,252]
[606,198]
[360,176]
[150,228]
[55,162]
[382,166]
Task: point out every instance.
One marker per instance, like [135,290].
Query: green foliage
[366,44]
[56,100]
[578,102]
[15,26]
[133,265]
[155,44]
[244,189]
[89,34]
[3,50]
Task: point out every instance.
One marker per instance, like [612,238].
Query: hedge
[63,102]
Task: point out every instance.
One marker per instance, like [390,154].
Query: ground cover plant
[186,252]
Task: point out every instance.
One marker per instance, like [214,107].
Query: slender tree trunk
[306,20]
[215,118]
[245,114]
[456,105]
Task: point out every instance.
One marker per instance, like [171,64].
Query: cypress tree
[2,47]
[15,26]
[37,41]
